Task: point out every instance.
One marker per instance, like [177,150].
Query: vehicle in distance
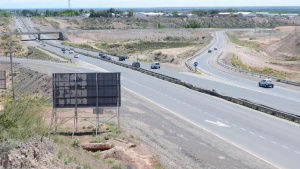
[155,65]
[266,83]
[63,49]
[76,56]
[136,64]
[71,51]
[209,51]
[122,58]
[106,57]
[101,53]
[215,48]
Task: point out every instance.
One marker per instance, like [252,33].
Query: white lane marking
[226,122]
[205,113]
[199,110]
[284,147]
[217,123]
[233,125]
[297,152]
[262,137]
[197,125]
[273,142]
[252,133]
[243,129]
[219,119]
[212,116]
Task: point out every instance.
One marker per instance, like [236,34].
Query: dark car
[101,53]
[136,64]
[209,51]
[122,58]
[106,57]
[63,49]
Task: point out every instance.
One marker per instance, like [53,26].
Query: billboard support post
[97,105]
[118,101]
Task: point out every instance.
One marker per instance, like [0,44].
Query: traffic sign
[195,63]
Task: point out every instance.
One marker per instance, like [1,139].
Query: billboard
[81,90]
[2,79]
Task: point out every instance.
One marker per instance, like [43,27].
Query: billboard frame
[3,79]
[97,106]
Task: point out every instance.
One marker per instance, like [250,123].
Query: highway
[272,139]
[278,98]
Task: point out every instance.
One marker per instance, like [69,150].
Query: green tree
[175,13]
[130,13]
[81,11]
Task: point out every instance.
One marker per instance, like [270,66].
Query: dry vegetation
[162,22]
[273,52]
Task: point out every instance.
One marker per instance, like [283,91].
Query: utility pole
[12,72]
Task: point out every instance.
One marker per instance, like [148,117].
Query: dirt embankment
[273,52]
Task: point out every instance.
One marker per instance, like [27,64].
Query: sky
[36,4]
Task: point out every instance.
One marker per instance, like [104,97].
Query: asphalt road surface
[272,139]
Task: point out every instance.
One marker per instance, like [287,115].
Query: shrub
[117,165]
[22,119]
[76,143]
[98,139]
[110,160]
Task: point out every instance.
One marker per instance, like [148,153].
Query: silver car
[266,83]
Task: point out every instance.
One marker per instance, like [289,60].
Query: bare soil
[272,50]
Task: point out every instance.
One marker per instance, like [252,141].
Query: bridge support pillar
[39,36]
[61,36]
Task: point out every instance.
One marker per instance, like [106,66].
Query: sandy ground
[270,52]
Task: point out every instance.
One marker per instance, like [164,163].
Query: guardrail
[243,102]
[255,74]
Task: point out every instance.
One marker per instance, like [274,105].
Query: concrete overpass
[60,33]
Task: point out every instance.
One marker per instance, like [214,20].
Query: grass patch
[37,54]
[110,123]
[78,45]
[294,58]
[156,165]
[238,63]
[22,120]
[98,139]
[65,58]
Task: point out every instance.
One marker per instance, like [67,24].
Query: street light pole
[12,72]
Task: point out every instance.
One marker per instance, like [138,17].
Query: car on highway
[63,49]
[106,57]
[122,58]
[215,48]
[155,65]
[101,53]
[76,55]
[71,51]
[209,51]
[266,83]
[136,64]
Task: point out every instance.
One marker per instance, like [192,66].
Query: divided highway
[272,139]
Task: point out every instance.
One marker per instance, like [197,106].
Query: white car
[155,65]
[71,52]
[76,56]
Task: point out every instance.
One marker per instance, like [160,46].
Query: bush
[110,160]
[98,139]
[76,143]
[117,165]
[23,119]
